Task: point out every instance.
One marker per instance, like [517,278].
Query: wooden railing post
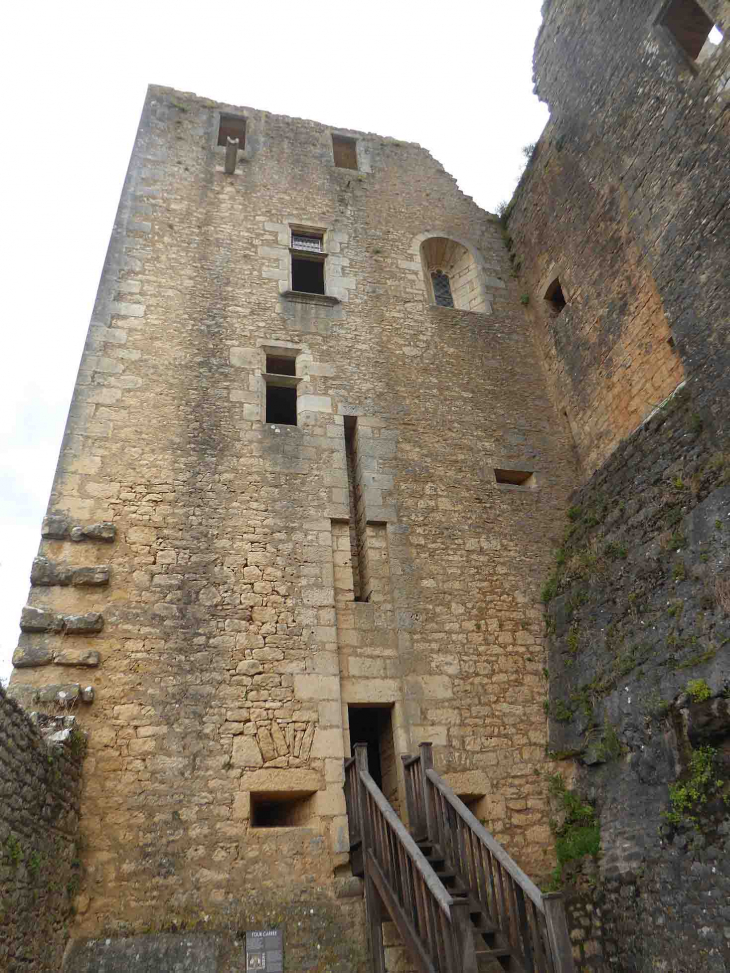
[414,819]
[426,765]
[557,930]
[463,937]
[372,901]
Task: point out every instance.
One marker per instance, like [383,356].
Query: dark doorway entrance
[374,725]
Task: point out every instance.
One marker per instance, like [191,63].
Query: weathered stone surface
[105,531]
[40,620]
[64,694]
[183,953]
[32,655]
[55,527]
[77,657]
[48,573]
[91,576]
[83,624]
[45,573]
[60,527]
[246,753]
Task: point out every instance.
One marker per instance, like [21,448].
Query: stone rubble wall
[639,614]
[625,199]
[40,868]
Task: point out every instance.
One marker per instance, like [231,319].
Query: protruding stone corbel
[45,620]
[231,155]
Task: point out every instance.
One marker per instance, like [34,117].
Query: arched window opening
[453,277]
[441,289]
[555,297]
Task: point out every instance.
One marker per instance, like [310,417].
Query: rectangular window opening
[344,150]
[690,26]
[307,275]
[281,365]
[281,405]
[232,127]
[374,725]
[281,810]
[521,478]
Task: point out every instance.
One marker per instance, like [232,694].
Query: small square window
[281,405]
[281,810]
[515,478]
[689,25]
[232,127]
[345,152]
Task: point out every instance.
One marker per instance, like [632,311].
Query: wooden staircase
[459,902]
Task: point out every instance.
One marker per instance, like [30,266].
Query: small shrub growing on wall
[577,833]
[688,796]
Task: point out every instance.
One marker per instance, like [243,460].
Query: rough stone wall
[219,660]
[607,353]
[639,611]
[40,775]
[626,201]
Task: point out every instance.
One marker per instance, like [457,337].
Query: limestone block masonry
[215,594]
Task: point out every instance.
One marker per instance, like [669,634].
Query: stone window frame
[670,42]
[280,349]
[245,154]
[298,229]
[489,282]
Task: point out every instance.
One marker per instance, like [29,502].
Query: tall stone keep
[310,482]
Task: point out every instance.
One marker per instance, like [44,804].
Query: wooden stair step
[497,953]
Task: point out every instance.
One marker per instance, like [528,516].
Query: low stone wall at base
[40,775]
[321,934]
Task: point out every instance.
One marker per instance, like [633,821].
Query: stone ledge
[59,528]
[47,573]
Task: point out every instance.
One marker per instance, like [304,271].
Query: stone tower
[310,482]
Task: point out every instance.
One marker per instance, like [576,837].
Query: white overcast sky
[456,78]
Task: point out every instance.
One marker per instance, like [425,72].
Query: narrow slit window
[280,365]
[232,127]
[555,297]
[345,152]
[518,478]
[442,289]
[356,523]
[281,405]
[690,26]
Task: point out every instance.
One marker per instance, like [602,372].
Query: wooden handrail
[435,928]
[527,885]
[534,925]
[430,877]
